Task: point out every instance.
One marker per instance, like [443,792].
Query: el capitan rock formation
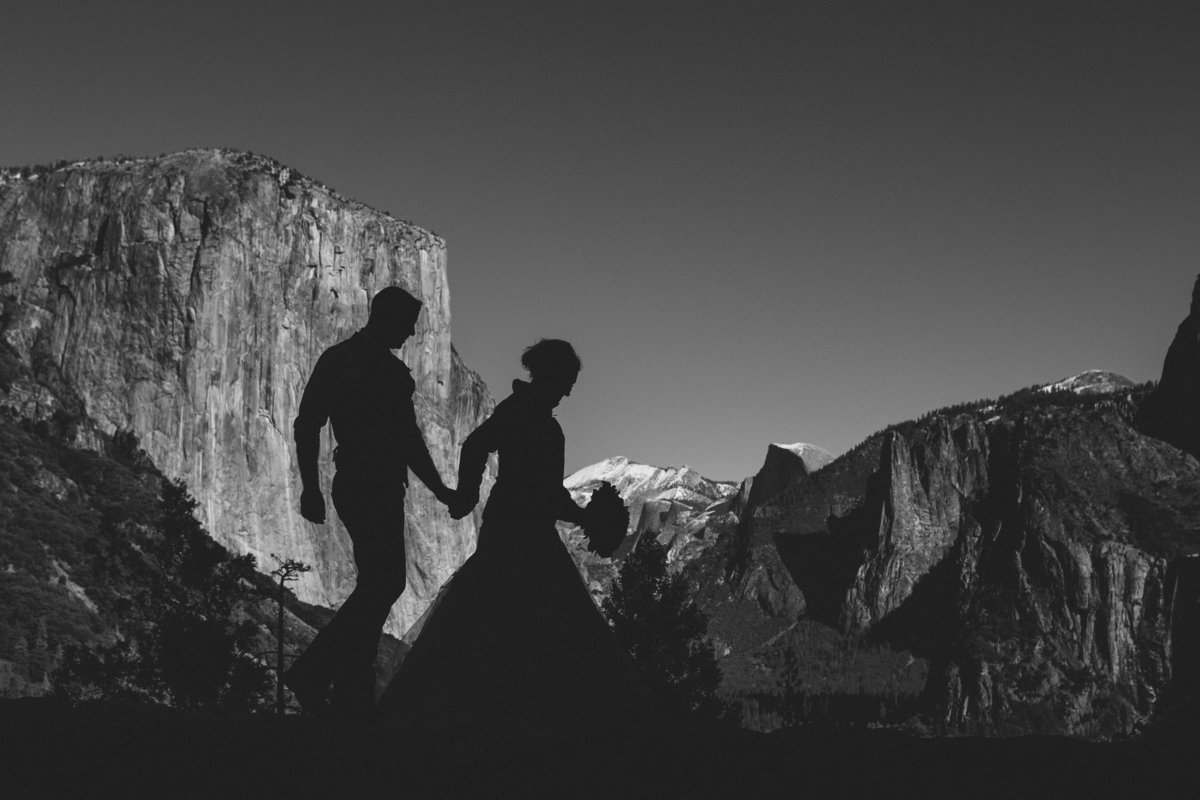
[184,300]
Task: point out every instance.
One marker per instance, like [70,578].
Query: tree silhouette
[288,571]
[187,639]
[653,616]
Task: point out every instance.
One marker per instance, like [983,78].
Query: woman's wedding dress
[514,645]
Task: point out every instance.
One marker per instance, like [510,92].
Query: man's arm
[421,464]
[306,430]
[417,452]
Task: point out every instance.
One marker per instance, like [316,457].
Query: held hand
[445,495]
[312,506]
[461,505]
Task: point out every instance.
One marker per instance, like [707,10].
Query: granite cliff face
[677,505]
[684,510]
[755,571]
[1038,553]
[184,299]
[1172,411]
[1034,559]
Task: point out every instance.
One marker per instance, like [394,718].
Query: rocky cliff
[1034,560]
[681,507]
[753,569]
[1030,562]
[707,527]
[677,505]
[183,300]
[1172,411]
[1035,551]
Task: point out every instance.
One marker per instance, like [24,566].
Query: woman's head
[553,366]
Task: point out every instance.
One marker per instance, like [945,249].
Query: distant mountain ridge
[656,496]
[643,481]
[683,509]
[676,504]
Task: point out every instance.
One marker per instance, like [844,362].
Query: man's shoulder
[339,349]
[357,347]
[357,353]
[333,358]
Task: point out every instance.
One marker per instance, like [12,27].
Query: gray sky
[757,222]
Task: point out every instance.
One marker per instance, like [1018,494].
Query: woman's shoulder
[517,403]
[505,417]
[506,408]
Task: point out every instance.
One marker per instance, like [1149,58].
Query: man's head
[394,315]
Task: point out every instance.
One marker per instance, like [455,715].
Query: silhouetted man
[367,395]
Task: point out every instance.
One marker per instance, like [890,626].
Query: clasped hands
[458,503]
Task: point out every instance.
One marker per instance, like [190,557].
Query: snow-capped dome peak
[1092,381]
[814,457]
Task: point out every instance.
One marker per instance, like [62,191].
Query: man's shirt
[367,395]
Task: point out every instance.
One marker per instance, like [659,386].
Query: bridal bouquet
[606,520]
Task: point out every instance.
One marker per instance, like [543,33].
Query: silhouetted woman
[514,646]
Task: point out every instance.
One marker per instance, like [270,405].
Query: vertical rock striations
[1038,553]
[753,568]
[184,299]
[1030,559]
[1031,554]
[929,483]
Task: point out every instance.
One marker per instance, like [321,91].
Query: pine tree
[288,571]
[39,654]
[653,616]
[202,641]
[188,641]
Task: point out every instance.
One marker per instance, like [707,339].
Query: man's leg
[310,675]
[343,653]
[374,517]
[379,555]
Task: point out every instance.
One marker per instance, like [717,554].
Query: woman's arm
[565,508]
[472,460]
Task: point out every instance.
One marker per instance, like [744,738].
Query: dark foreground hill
[111,750]
[81,540]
